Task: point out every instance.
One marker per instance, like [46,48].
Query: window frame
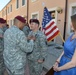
[8,10]
[24,3]
[17,3]
[33,0]
[35,13]
[54,9]
[11,8]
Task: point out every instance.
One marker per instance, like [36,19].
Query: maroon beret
[35,21]
[20,18]
[2,20]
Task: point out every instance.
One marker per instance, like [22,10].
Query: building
[34,9]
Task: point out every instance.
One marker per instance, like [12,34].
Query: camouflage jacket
[26,30]
[15,48]
[40,47]
[1,45]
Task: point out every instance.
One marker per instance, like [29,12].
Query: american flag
[48,26]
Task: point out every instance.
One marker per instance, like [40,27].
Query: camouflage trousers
[16,71]
[35,67]
[2,66]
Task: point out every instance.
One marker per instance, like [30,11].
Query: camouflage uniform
[15,49]
[4,28]
[1,52]
[26,30]
[39,52]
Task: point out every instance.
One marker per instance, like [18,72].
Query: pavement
[54,51]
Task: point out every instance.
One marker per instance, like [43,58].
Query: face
[72,28]
[21,25]
[4,24]
[33,26]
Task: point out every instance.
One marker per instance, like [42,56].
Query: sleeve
[23,44]
[1,34]
[43,46]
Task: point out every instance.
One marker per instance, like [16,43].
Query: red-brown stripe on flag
[50,25]
[51,30]
[53,36]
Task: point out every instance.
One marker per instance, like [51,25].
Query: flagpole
[66,4]
[61,37]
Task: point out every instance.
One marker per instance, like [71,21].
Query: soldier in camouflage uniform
[5,27]
[37,57]
[2,68]
[16,47]
[26,30]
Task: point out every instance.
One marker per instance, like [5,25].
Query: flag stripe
[51,23]
[51,30]
[53,36]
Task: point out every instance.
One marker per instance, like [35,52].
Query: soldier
[16,47]
[2,68]
[37,57]
[5,27]
[26,30]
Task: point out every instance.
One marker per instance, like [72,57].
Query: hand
[40,61]
[56,64]
[56,68]
[31,37]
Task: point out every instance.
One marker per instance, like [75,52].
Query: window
[33,0]
[2,13]
[35,15]
[52,13]
[23,2]
[17,4]
[10,8]
[74,10]
[10,22]
[5,12]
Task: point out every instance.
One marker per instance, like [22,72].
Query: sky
[3,3]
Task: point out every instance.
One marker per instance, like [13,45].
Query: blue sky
[3,3]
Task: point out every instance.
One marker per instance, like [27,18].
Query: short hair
[15,21]
[35,21]
[73,19]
